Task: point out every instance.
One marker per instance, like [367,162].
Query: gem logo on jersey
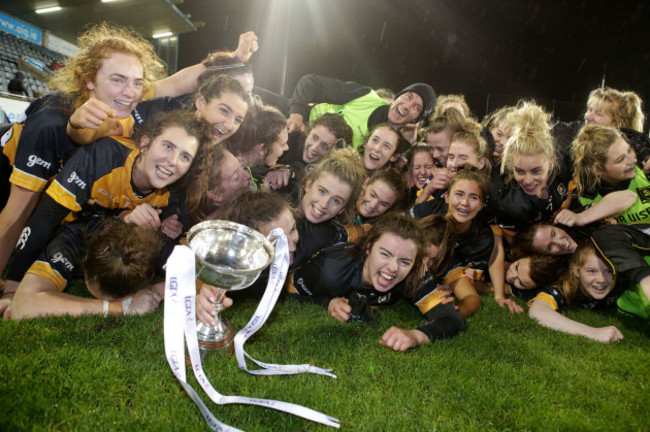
[58,257]
[74,178]
[23,238]
[35,160]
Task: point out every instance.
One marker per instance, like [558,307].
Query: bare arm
[544,314]
[497,276]
[37,297]
[468,299]
[186,80]
[610,205]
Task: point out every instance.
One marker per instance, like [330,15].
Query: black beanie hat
[425,91]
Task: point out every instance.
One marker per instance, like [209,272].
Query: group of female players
[105,175]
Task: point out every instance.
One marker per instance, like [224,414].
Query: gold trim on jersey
[428,302]
[10,141]
[44,270]
[547,298]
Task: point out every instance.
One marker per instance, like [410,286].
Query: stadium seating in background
[14,52]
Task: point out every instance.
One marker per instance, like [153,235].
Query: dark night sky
[547,50]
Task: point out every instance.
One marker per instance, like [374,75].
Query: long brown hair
[408,229]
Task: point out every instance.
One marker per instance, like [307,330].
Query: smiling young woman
[589,284]
[110,177]
[605,164]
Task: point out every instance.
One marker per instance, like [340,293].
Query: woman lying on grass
[349,279]
[117,260]
[588,284]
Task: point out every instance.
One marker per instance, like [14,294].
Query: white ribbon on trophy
[277,276]
[180,315]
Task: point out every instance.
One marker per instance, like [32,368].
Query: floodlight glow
[48,9]
[162,35]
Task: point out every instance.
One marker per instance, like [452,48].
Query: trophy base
[219,344]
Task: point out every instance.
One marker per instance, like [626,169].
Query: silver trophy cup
[229,256]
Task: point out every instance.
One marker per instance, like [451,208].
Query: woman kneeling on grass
[383,266]
[117,260]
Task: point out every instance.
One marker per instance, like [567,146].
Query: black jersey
[314,237]
[433,206]
[147,109]
[39,146]
[625,248]
[558,302]
[61,260]
[336,272]
[96,180]
[472,247]
[512,209]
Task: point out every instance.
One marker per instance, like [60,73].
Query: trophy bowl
[229,256]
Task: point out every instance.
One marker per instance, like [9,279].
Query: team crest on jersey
[561,189]
[644,194]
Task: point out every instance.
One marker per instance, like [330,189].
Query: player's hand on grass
[511,304]
[399,339]
[146,301]
[607,334]
[340,309]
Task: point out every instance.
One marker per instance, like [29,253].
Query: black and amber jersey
[314,237]
[512,209]
[147,109]
[37,147]
[558,302]
[61,260]
[96,180]
[472,247]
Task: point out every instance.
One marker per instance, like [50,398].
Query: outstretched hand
[511,304]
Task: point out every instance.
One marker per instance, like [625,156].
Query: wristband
[126,304]
[105,308]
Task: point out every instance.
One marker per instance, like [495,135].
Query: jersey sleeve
[72,187]
[42,146]
[552,296]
